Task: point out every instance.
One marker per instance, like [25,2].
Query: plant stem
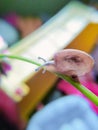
[77,85]
[81,88]
[19,58]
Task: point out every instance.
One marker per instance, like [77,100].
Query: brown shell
[73,62]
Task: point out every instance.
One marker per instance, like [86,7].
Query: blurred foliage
[34,7]
[31,7]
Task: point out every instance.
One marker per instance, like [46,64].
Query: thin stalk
[81,88]
[19,58]
[77,85]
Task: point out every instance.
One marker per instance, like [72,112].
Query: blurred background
[31,13]
[36,28]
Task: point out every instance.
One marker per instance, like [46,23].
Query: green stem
[80,87]
[19,58]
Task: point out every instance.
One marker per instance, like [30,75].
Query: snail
[70,62]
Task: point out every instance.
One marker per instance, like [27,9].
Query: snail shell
[71,62]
